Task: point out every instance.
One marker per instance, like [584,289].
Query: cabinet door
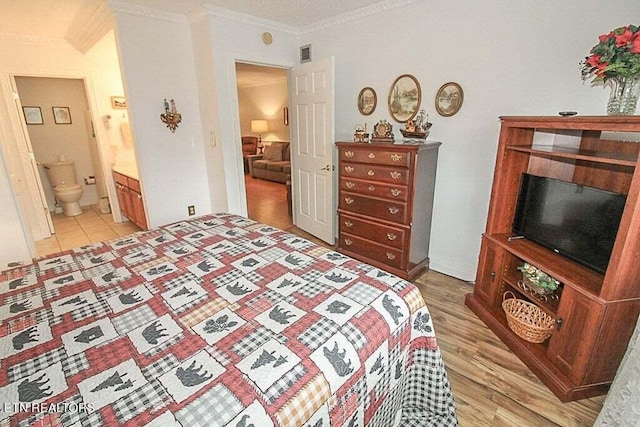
[489,277]
[572,342]
[138,209]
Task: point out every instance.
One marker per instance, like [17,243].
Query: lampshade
[259,126]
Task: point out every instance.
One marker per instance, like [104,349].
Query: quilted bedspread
[217,320]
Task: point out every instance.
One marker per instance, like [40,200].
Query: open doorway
[263,114]
[62,137]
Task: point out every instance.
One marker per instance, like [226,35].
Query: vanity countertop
[127,169]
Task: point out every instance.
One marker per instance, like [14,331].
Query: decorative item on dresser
[594,311]
[385,204]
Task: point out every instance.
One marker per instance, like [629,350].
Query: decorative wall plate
[449,99]
[367,101]
[404,98]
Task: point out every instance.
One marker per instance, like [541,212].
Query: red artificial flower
[603,38]
[593,60]
[635,43]
[600,69]
[624,38]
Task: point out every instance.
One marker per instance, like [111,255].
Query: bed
[216,320]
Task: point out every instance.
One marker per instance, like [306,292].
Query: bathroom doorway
[59,128]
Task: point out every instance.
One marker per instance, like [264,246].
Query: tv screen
[576,221]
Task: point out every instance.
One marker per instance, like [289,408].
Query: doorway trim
[233,163]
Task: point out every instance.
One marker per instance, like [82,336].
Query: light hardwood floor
[491,386]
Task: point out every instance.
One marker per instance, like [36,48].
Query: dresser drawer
[379,157]
[390,256]
[391,236]
[376,189]
[379,208]
[374,173]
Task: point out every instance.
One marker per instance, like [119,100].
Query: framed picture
[32,115]
[449,99]
[404,98]
[118,102]
[367,101]
[61,115]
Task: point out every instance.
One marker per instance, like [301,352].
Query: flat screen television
[576,221]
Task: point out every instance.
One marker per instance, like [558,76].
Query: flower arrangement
[537,277]
[617,54]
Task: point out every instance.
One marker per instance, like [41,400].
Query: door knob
[328,168]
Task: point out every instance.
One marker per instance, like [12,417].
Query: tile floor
[91,227]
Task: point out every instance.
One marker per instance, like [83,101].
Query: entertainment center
[595,314]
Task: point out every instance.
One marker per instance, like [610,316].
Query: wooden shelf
[578,154]
[562,268]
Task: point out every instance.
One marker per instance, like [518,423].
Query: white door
[31,192]
[311,91]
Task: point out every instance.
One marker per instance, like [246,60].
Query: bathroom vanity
[130,197]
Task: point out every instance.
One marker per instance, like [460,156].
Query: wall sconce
[259,127]
[170,117]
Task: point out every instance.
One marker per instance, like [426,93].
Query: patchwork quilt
[216,321]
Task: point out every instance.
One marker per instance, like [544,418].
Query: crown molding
[358,14]
[125,8]
[83,33]
[219,12]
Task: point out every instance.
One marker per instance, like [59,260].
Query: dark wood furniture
[130,199]
[385,204]
[249,148]
[595,313]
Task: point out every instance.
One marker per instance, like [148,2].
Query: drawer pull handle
[371,173]
[348,224]
[391,255]
[391,236]
[349,154]
[395,175]
[348,169]
[348,242]
[348,200]
[393,210]
[395,192]
[372,188]
[349,184]
[396,157]
[372,156]
[139,196]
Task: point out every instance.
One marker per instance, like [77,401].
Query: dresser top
[398,145]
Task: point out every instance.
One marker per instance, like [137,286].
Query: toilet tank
[60,172]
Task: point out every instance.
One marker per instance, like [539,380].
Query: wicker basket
[526,319]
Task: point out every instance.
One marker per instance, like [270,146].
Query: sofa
[274,164]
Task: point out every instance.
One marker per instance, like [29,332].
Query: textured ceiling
[52,18]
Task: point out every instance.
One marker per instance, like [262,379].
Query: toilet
[62,177]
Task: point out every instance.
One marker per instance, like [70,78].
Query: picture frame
[61,115]
[367,101]
[32,115]
[449,99]
[405,96]
[118,103]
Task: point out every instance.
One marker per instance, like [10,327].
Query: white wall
[157,61]
[264,102]
[511,58]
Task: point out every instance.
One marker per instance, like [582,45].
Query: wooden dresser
[385,204]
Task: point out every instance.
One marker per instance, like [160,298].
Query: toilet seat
[67,188]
